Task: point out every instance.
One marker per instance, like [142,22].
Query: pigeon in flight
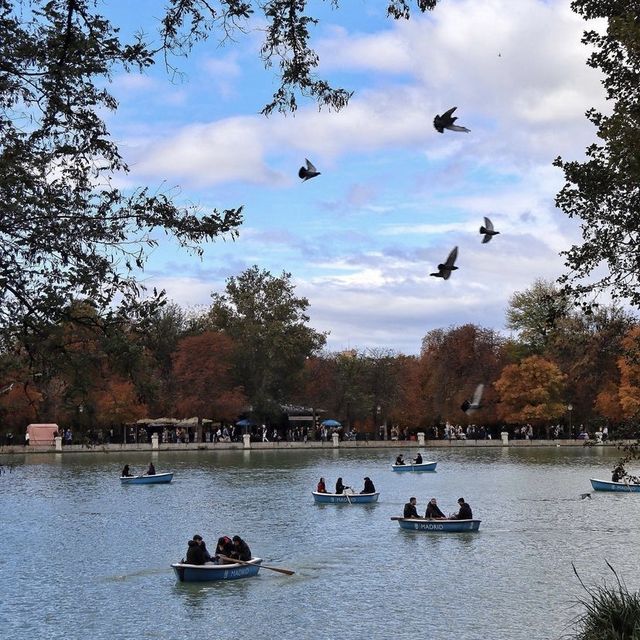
[308,172]
[488,231]
[444,270]
[446,120]
[474,405]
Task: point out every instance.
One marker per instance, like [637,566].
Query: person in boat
[151,471]
[465,511]
[410,510]
[433,511]
[618,474]
[223,548]
[203,546]
[340,487]
[322,488]
[369,487]
[125,471]
[400,459]
[241,549]
[418,459]
[195,554]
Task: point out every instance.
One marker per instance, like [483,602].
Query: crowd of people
[433,511]
[369,487]
[228,551]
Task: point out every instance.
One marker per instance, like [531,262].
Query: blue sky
[395,195]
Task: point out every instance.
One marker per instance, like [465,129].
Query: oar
[287,572]
[348,498]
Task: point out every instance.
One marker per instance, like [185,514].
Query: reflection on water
[98,554]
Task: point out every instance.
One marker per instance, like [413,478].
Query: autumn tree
[409,406]
[629,390]
[203,371]
[531,391]
[454,362]
[116,402]
[603,191]
[587,348]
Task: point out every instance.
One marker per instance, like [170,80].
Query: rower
[400,459]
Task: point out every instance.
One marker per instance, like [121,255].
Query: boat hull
[425,466]
[344,498]
[158,478]
[607,485]
[438,526]
[210,571]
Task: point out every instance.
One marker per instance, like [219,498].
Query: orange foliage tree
[531,391]
[453,363]
[202,368]
[117,402]
[629,390]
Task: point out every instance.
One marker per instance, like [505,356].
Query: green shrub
[610,612]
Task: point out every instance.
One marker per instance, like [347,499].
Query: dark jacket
[410,511]
[418,459]
[151,471]
[369,487]
[195,555]
[433,511]
[224,547]
[465,512]
[241,551]
[340,487]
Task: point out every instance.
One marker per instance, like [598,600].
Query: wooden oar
[287,572]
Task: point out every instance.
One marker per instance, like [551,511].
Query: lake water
[84,557]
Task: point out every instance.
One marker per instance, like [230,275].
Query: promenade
[282,445]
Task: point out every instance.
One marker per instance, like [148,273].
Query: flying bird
[446,120]
[474,405]
[488,231]
[585,495]
[444,270]
[308,172]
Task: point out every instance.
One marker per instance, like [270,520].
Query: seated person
[241,549]
[465,511]
[433,510]
[368,486]
[203,546]
[151,471]
[321,486]
[195,554]
[410,510]
[340,487]
[223,548]
[400,459]
[618,474]
[125,471]
[418,459]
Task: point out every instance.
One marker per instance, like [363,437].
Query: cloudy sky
[395,196]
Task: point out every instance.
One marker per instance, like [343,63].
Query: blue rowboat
[212,571]
[607,485]
[158,478]
[425,466]
[437,526]
[345,498]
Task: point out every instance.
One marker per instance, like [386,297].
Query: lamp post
[570,409]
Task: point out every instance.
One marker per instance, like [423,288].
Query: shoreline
[277,446]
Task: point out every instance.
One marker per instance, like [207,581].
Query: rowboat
[345,498]
[425,466]
[437,526]
[158,478]
[607,485]
[213,571]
